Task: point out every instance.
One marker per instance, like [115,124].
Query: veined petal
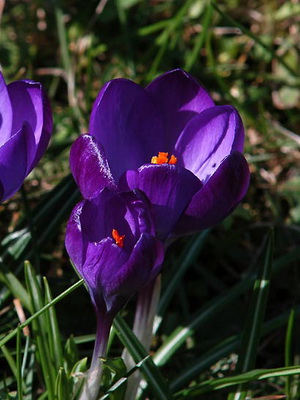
[14,156]
[126,122]
[5,113]
[179,98]
[208,139]
[218,197]
[169,190]
[89,167]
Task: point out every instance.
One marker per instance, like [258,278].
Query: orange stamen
[173,159]
[119,239]
[162,158]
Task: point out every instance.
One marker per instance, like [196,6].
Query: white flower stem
[143,326]
[92,384]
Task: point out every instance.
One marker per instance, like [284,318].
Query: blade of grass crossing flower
[253,326]
[41,311]
[54,333]
[59,203]
[154,378]
[122,380]
[39,326]
[288,350]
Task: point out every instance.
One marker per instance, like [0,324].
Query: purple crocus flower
[111,241]
[170,141]
[25,130]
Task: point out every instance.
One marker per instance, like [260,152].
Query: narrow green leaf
[41,311]
[180,334]
[53,333]
[256,39]
[70,354]
[61,386]
[288,349]
[123,380]
[114,369]
[194,55]
[190,253]
[152,374]
[252,330]
[254,375]
[19,366]
[15,287]
[40,334]
[10,360]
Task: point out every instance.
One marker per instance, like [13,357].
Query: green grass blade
[19,366]
[256,39]
[190,253]
[254,375]
[180,334]
[154,378]
[41,311]
[288,349]
[10,360]
[39,329]
[16,288]
[256,313]
[207,19]
[54,333]
[61,386]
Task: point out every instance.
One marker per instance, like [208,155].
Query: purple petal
[102,263]
[169,190]
[90,167]
[126,122]
[218,197]
[110,272]
[31,105]
[74,237]
[179,98]
[14,158]
[5,113]
[208,139]
[103,214]
[119,278]
[46,132]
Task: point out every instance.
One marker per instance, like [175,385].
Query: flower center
[119,239]
[162,158]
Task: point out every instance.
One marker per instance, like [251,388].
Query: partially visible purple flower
[111,241]
[170,141]
[25,130]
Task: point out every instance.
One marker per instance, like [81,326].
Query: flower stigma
[162,158]
[119,239]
